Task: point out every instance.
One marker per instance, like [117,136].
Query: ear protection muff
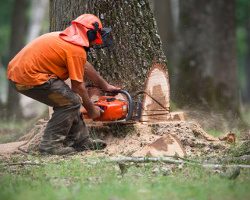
[92,34]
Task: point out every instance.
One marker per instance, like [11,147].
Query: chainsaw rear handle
[130,104]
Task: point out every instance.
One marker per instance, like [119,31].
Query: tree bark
[207,69]
[18,33]
[134,32]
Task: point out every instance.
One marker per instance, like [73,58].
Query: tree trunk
[207,70]
[38,10]
[18,33]
[248,59]
[134,32]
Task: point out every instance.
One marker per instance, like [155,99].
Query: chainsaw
[116,109]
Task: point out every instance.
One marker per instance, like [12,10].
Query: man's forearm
[94,76]
[80,89]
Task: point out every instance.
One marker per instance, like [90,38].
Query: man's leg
[66,117]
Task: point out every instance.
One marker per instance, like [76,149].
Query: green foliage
[242,11]
[92,178]
[242,19]
[6,11]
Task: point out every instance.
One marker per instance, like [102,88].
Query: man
[38,71]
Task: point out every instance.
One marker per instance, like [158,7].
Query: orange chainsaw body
[113,109]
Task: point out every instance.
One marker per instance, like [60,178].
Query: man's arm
[92,110]
[94,76]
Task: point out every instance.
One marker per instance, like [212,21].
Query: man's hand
[95,113]
[111,88]
[92,110]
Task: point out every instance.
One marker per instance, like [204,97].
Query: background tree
[206,71]
[243,37]
[134,33]
[164,12]
[17,41]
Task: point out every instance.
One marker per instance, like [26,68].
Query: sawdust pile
[128,139]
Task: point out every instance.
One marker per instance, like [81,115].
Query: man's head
[77,32]
[93,25]
[86,30]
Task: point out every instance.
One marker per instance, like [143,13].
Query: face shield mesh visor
[106,39]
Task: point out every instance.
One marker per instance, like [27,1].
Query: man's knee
[63,95]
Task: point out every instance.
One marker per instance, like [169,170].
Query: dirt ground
[127,139]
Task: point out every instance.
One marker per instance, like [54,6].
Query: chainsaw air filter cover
[114,109]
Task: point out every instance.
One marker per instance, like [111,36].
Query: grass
[74,177]
[11,131]
[93,178]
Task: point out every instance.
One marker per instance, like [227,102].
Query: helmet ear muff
[92,34]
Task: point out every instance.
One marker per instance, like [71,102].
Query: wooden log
[228,137]
[156,103]
[157,95]
[167,145]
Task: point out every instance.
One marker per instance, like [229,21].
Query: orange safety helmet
[77,32]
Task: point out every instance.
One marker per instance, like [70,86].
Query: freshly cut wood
[229,137]
[156,103]
[10,147]
[198,131]
[167,145]
[164,116]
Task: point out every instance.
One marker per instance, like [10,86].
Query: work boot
[89,144]
[57,151]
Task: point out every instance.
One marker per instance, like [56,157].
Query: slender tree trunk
[18,33]
[248,59]
[134,33]
[38,10]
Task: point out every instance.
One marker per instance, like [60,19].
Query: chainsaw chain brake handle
[130,104]
[133,107]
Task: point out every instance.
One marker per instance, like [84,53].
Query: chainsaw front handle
[130,104]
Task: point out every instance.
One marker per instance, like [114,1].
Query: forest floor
[102,174]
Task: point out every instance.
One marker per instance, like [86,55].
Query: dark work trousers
[66,127]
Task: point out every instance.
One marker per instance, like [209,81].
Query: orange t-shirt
[48,56]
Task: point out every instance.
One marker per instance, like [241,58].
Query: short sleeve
[76,66]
